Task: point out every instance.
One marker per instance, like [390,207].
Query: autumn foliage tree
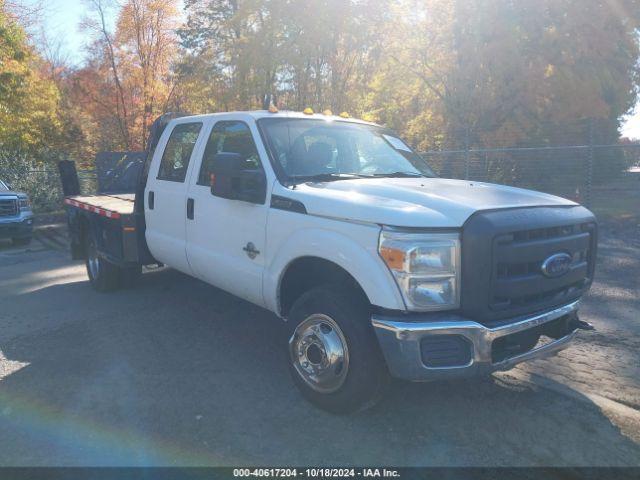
[505,70]
[502,66]
[29,102]
[127,81]
[310,52]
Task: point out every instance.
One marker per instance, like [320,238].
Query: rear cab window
[177,152]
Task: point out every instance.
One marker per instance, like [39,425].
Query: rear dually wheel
[103,275]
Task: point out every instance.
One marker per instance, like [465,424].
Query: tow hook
[582,325]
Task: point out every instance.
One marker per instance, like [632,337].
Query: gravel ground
[175,372]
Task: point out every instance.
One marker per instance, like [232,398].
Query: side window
[228,137]
[177,153]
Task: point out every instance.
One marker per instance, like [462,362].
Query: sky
[61,20]
[631,125]
[62,23]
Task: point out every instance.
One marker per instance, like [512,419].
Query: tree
[146,40]
[309,52]
[29,116]
[128,80]
[502,67]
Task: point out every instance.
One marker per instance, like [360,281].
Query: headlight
[426,267]
[25,204]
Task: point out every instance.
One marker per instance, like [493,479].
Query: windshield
[332,149]
[3,187]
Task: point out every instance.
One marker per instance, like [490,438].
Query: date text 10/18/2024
[316,472]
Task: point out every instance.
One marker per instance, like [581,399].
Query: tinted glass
[177,153]
[228,137]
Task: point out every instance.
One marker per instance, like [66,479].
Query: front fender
[356,253]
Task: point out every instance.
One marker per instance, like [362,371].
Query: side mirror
[230,179]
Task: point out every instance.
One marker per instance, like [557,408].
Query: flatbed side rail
[90,208]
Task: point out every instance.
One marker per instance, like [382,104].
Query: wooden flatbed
[108,219]
[110,206]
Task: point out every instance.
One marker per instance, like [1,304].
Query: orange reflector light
[392,257]
[129,229]
[273,109]
[308,111]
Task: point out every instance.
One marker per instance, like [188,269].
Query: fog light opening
[443,351]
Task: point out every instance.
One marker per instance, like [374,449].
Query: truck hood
[413,202]
[5,193]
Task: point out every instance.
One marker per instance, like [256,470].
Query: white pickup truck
[378,267]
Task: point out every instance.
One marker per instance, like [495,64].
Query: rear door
[226,238]
[166,195]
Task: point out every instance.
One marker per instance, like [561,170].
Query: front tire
[103,275]
[334,357]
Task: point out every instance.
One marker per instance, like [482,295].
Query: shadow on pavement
[175,372]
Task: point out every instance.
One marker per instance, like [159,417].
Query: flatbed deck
[111,206]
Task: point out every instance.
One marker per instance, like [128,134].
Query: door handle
[251,251]
[151,200]
[190,205]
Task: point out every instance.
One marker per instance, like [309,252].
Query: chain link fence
[584,161]
[43,185]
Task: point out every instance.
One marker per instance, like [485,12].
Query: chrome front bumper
[401,343]
[17,226]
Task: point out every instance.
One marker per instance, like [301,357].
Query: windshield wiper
[323,177]
[397,175]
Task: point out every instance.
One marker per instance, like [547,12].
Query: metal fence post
[466,153]
[590,159]
[69,177]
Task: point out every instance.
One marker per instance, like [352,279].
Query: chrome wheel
[92,260]
[319,353]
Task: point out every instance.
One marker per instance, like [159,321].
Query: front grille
[518,256]
[8,207]
[502,256]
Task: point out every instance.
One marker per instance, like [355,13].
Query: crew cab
[378,267]
[16,217]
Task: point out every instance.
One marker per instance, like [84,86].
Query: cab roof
[258,114]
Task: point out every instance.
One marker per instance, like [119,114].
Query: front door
[226,238]
[166,196]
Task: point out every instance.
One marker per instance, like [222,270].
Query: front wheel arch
[306,273]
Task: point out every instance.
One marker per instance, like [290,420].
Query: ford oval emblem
[556,265]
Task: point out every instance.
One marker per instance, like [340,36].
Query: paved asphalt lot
[174,372]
